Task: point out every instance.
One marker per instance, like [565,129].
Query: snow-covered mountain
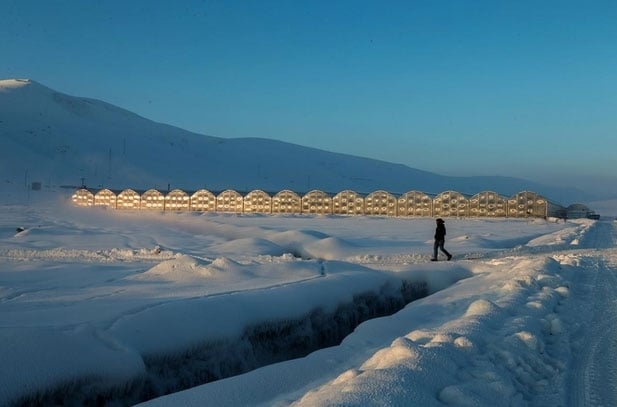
[57,139]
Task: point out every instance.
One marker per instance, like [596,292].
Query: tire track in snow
[593,376]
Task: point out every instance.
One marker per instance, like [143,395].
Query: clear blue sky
[454,87]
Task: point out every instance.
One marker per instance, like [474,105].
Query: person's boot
[433,259]
[449,257]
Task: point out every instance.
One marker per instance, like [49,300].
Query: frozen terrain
[103,306]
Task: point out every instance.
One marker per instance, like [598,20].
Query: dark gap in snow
[260,345]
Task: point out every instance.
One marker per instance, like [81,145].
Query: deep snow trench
[259,345]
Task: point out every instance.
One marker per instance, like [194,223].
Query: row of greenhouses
[347,202]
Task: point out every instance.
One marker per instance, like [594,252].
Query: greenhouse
[128,199]
[83,197]
[487,203]
[104,198]
[177,200]
[415,203]
[450,204]
[381,203]
[203,201]
[257,201]
[229,201]
[286,201]
[317,202]
[153,200]
[527,204]
[348,202]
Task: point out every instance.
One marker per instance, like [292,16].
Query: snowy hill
[56,139]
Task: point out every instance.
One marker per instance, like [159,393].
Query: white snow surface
[94,300]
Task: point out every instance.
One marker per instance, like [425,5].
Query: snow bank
[97,302]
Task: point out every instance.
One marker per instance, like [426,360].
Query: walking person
[440,239]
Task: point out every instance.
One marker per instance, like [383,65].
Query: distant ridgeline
[413,203]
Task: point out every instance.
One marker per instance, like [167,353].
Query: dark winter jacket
[440,232]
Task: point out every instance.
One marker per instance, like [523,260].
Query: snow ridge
[258,345]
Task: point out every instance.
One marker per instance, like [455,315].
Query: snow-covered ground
[101,305]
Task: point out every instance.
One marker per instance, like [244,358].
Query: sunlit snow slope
[56,139]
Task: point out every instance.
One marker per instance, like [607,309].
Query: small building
[578,211]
